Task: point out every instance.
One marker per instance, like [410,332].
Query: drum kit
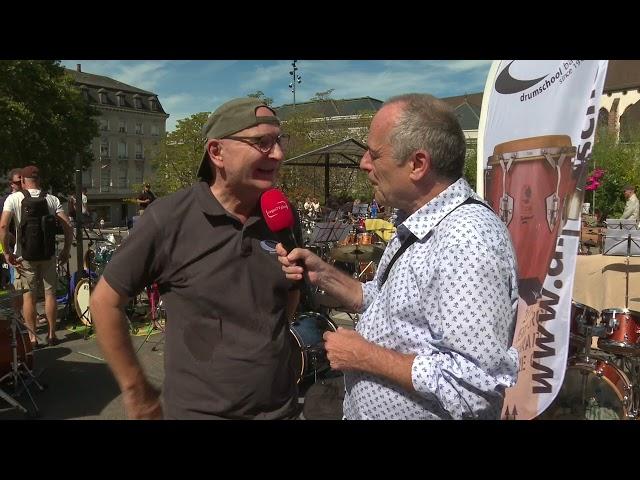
[602,383]
[347,245]
[16,357]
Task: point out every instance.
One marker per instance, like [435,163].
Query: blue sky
[185,87]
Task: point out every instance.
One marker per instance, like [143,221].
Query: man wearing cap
[227,348]
[29,273]
[145,198]
[632,207]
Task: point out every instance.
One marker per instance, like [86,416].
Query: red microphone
[279,216]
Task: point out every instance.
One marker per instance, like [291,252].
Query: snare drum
[82,298]
[365,238]
[622,335]
[528,183]
[581,317]
[593,389]
[24,348]
[308,355]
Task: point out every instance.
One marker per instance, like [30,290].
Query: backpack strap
[26,193]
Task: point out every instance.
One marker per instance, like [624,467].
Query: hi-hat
[356,253]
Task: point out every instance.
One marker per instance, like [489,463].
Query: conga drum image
[528,183]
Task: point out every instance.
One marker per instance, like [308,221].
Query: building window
[85,92]
[105,176]
[123,127]
[121,100]
[137,101]
[153,104]
[87,180]
[139,130]
[139,151]
[122,150]
[123,168]
[155,130]
[139,172]
[104,125]
[104,148]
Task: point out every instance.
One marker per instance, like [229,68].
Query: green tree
[261,96]
[470,162]
[621,163]
[308,134]
[44,121]
[178,155]
[326,95]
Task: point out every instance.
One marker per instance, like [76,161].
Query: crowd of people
[431,343]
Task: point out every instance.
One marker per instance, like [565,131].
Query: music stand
[325,232]
[630,242]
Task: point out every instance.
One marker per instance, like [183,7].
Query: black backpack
[37,228]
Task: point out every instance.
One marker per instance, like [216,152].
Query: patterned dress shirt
[451,299]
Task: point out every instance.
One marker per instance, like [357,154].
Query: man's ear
[420,164]
[214,148]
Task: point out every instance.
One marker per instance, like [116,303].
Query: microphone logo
[281,205]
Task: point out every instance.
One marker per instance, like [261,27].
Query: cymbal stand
[19,369]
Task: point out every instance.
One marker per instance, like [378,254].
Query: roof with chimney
[93,85]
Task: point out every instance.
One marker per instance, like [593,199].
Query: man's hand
[346,349]
[11,259]
[63,256]
[142,404]
[291,263]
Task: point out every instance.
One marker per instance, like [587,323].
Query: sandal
[52,341]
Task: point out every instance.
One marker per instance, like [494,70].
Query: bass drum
[23,345]
[308,353]
[82,297]
[593,389]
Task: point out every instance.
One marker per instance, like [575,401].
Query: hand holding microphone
[279,218]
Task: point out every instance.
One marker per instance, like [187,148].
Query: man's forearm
[387,363]
[343,287]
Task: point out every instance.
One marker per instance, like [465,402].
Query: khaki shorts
[32,272]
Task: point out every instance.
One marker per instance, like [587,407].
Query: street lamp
[295,78]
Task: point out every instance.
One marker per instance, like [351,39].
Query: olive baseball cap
[229,118]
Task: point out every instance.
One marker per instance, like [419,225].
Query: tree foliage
[326,95]
[621,163]
[261,96]
[44,121]
[309,132]
[178,155]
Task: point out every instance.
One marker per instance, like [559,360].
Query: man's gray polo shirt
[227,350]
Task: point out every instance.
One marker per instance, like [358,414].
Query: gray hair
[13,172]
[429,124]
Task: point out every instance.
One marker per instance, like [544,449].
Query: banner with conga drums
[536,134]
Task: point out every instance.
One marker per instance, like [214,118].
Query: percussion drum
[25,350]
[528,184]
[82,297]
[581,317]
[308,355]
[365,238]
[593,389]
[622,333]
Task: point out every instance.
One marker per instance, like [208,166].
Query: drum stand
[19,370]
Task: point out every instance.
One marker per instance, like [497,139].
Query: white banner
[536,134]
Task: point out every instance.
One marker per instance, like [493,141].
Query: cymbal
[356,253]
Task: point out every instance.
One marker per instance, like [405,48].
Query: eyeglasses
[264,143]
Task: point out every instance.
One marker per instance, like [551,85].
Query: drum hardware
[158,316]
[20,360]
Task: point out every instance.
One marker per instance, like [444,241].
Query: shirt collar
[211,206]
[422,221]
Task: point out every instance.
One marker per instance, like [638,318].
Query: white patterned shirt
[451,299]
